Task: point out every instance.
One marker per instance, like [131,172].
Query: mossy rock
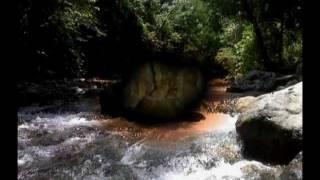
[163,91]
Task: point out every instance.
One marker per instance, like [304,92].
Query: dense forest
[85,38]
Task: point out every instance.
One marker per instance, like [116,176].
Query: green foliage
[194,24]
[226,57]
[280,25]
[71,37]
[292,51]
[183,26]
[56,31]
[240,53]
[76,24]
[246,50]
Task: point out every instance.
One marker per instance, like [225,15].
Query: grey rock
[271,127]
[254,81]
[243,103]
[294,170]
[262,81]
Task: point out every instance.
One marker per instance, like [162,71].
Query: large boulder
[161,90]
[270,126]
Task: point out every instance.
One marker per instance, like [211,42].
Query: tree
[271,20]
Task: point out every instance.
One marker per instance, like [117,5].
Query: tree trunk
[281,37]
[260,42]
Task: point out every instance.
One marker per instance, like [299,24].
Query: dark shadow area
[270,158]
[274,149]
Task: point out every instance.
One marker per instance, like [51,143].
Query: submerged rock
[161,90]
[270,128]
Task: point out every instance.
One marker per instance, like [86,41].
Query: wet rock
[271,127]
[294,170]
[47,140]
[251,169]
[262,81]
[243,103]
[229,153]
[119,172]
[267,176]
[256,171]
[284,80]
[211,163]
[230,178]
[254,81]
[163,91]
[289,83]
[46,91]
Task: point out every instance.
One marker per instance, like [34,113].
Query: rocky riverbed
[72,140]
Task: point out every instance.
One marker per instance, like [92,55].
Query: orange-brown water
[171,131]
[174,132]
[169,135]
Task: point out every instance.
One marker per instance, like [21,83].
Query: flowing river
[73,141]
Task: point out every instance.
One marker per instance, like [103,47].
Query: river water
[73,141]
